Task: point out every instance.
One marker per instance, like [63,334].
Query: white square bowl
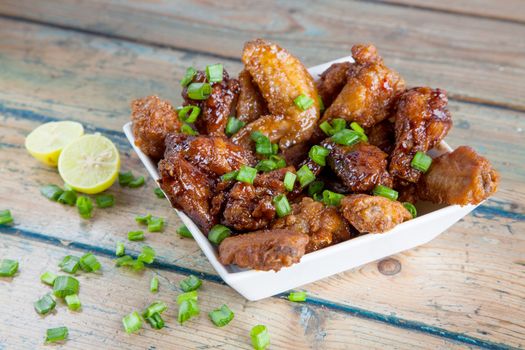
[255,285]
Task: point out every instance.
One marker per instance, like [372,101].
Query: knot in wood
[389,266]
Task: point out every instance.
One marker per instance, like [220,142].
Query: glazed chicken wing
[460,177]
[153,119]
[216,109]
[249,207]
[263,250]
[370,91]
[251,104]
[373,214]
[332,81]
[323,224]
[360,167]
[382,135]
[281,78]
[422,121]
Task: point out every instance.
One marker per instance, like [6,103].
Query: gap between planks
[451,96]
[346,309]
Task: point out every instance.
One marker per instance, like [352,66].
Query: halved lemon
[89,164]
[47,141]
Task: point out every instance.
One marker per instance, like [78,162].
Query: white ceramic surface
[255,285]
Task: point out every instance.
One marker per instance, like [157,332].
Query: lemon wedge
[89,164]
[47,141]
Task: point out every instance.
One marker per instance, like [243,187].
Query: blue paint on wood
[347,309]
[489,212]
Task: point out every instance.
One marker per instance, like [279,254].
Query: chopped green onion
[158,192]
[125,178]
[125,260]
[188,76]
[315,187]
[289,181]
[218,233]
[154,284]
[84,206]
[5,217]
[321,104]
[184,232]
[188,130]
[282,207]
[263,145]
[192,117]
[356,127]
[157,307]
[303,102]
[305,175]
[65,285]
[246,174]
[318,154]
[318,197]
[155,321]
[56,334]
[326,128]
[136,182]
[230,176]
[69,264]
[187,309]
[421,162]
[51,192]
[190,283]
[411,209]
[132,322]
[121,250]
[266,165]
[136,235]
[221,317]
[45,304]
[260,337]
[214,73]
[155,224]
[147,255]
[297,296]
[68,197]
[73,302]
[199,91]
[257,135]
[187,296]
[332,198]
[279,161]
[386,192]
[346,137]
[233,126]
[338,124]
[144,219]
[105,200]
[48,278]
[89,263]
[8,267]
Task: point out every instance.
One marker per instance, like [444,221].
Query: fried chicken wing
[153,119]
[251,104]
[189,189]
[422,120]
[370,91]
[263,250]
[214,155]
[382,135]
[373,214]
[460,177]
[249,207]
[331,82]
[281,78]
[323,224]
[216,109]
[360,167]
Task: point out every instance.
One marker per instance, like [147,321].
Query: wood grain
[109,296]
[507,10]
[64,75]
[476,59]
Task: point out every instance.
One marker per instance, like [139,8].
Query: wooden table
[86,60]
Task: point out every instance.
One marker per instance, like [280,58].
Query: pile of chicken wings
[334,196]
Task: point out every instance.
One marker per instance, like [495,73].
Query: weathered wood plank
[30,94]
[508,10]
[476,59]
[106,298]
